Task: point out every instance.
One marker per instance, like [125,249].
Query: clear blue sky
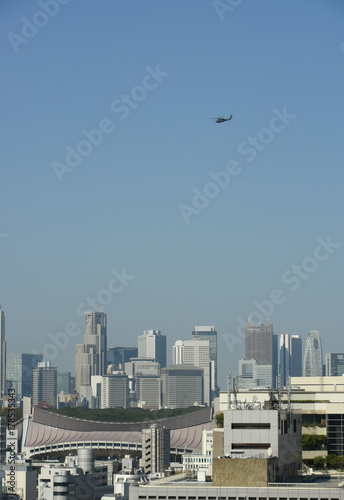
[153,74]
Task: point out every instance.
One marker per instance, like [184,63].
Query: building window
[251,426]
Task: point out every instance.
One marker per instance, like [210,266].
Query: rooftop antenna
[235,392]
[279,392]
[289,392]
[229,381]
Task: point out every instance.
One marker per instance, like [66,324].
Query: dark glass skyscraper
[334,364]
[19,369]
[262,345]
[290,357]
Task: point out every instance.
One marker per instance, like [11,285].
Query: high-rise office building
[313,357]
[95,334]
[284,358]
[2,353]
[148,391]
[44,381]
[118,356]
[209,333]
[19,371]
[262,345]
[151,344]
[334,364]
[114,391]
[155,449]
[295,356]
[182,386]
[63,382]
[197,353]
[290,357]
[90,357]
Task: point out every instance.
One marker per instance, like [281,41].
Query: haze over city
[120,191]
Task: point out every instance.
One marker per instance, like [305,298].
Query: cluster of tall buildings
[139,376]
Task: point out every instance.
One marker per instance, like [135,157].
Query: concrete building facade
[155,449]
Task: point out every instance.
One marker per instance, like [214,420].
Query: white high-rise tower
[196,353]
[313,357]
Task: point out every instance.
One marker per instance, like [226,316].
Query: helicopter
[222,119]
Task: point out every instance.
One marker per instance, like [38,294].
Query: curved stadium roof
[47,429]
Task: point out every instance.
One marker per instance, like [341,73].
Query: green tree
[319,462]
[332,461]
[219,420]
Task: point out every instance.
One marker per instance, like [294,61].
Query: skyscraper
[120,355]
[284,358]
[90,357]
[209,333]
[334,364]
[262,345]
[95,334]
[295,356]
[197,353]
[313,358]
[44,381]
[151,344]
[19,370]
[290,357]
[2,353]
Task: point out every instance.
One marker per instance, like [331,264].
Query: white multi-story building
[151,344]
[209,333]
[197,353]
[25,480]
[64,482]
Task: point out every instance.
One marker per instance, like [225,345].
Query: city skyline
[119,190]
[174,354]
